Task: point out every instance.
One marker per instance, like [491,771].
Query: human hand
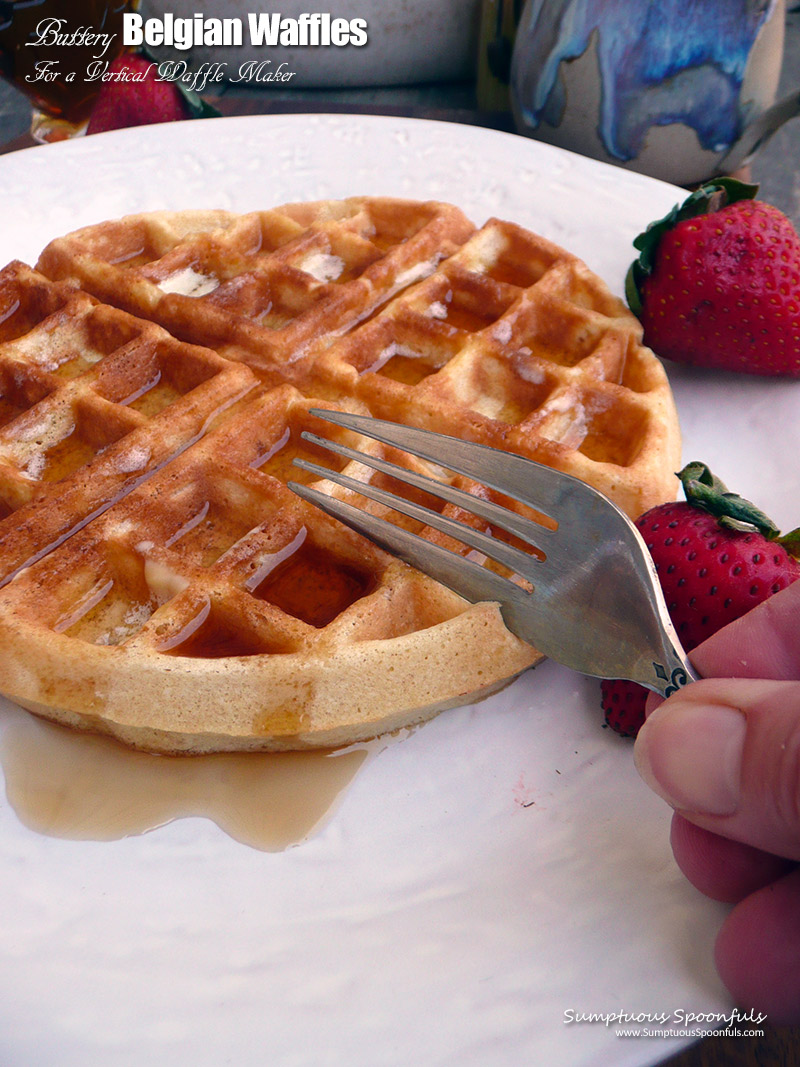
[725,754]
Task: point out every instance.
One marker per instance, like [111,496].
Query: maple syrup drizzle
[65,457]
[9,410]
[152,397]
[98,592]
[520,275]
[187,632]
[274,448]
[467,319]
[216,638]
[7,325]
[404,366]
[313,585]
[66,784]
[135,256]
[278,461]
[410,370]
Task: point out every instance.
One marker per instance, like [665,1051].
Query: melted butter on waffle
[160,582]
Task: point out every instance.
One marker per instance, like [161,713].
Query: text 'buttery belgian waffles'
[160,582]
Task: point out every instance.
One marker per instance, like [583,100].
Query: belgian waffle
[159,580]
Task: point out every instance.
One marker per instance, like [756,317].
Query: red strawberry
[717,283]
[137,99]
[716,556]
[623,705]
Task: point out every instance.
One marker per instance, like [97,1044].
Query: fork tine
[527,481]
[597,606]
[513,558]
[525,529]
[468,579]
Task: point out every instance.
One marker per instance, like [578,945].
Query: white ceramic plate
[497,870]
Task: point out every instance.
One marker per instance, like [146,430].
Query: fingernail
[691,755]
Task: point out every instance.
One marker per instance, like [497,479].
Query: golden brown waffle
[159,580]
[273,282]
[93,400]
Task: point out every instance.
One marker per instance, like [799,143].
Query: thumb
[725,753]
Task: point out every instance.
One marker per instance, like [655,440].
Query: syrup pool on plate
[62,783]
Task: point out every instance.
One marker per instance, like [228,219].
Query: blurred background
[404,75]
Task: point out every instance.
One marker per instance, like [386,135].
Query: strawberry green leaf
[704,490]
[791,542]
[701,472]
[633,280]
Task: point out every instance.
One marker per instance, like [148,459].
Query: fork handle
[672,676]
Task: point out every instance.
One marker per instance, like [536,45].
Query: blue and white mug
[681,90]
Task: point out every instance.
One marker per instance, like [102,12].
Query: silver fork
[593,601]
